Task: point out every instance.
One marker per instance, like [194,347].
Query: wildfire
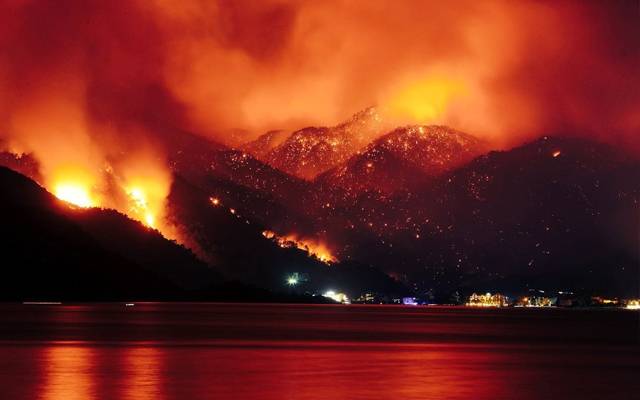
[136,188]
[314,248]
[73,193]
[146,182]
[74,185]
[140,206]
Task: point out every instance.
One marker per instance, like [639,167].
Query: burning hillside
[404,158]
[314,248]
[152,108]
[311,151]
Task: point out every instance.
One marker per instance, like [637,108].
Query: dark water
[231,351]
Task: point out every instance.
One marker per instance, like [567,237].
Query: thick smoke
[88,81]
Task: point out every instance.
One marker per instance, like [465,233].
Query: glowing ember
[313,248]
[556,153]
[74,193]
[215,201]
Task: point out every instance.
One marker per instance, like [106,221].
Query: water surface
[233,351]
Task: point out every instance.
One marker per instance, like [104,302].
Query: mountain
[238,180]
[261,146]
[558,212]
[54,251]
[424,204]
[313,150]
[434,149]
[237,244]
[403,159]
[25,164]
[225,199]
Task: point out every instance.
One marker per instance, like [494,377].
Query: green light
[291,281]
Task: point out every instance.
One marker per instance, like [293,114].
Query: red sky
[109,76]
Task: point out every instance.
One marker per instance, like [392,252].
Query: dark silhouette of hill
[53,251]
[240,181]
[25,164]
[235,243]
[427,211]
[556,213]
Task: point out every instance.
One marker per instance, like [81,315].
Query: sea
[192,351]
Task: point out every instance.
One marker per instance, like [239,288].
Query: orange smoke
[498,69]
[90,87]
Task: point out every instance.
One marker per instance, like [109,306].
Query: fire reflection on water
[143,374]
[274,352]
[69,372]
[76,372]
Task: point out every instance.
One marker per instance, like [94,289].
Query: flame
[147,183]
[136,186]
[314,248]
[74,185]
[140,206]
[144,201]
[73,193]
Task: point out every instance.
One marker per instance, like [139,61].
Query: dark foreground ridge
[52,251]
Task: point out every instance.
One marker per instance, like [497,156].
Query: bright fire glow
[73,193]
[424,101]
[146,182]
[316,249]
[140,206]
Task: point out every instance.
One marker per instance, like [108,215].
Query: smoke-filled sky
[101,73]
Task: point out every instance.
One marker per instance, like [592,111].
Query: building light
[487,300]
[337,297]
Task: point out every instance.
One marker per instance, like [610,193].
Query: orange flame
[74,185]
[74,194]
[137,187]
[314,248]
